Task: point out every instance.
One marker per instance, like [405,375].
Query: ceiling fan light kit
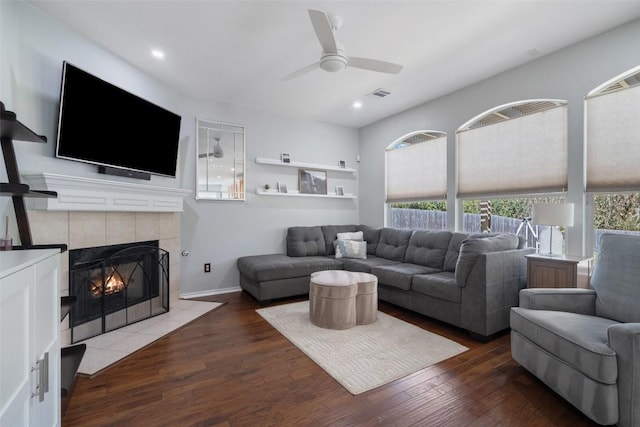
[333,62]
[333,58]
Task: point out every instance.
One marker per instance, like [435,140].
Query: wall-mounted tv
[120,132]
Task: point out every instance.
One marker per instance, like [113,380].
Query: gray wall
[33,46]
[567,74]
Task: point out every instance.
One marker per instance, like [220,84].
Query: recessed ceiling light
[357,104]
[156,53]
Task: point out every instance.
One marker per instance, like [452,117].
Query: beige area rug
[107,349]
[366,356]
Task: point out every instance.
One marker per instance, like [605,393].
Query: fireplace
[116,286]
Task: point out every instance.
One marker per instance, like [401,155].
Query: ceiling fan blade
[301,71]
[322,26]
[374,65]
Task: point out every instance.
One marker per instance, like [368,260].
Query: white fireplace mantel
[90,194]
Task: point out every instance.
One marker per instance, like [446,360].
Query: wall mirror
[220,168]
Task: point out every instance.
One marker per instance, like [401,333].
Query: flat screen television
[120,132]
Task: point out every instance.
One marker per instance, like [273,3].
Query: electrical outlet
[207,267]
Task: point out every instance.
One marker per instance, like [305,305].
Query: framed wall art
[312,181]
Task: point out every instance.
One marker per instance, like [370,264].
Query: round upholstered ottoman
[367,298]
[332,299]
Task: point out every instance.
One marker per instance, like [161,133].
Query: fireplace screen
[116,286]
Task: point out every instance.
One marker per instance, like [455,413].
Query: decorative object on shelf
[342,164]
[339,190]
[218,153]
[285,157]
[6,243]
[312,181]
[282,187]
[553,215]
[220,174]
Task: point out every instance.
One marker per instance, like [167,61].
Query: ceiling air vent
[380,93]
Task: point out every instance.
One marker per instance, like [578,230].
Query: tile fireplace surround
[95,225]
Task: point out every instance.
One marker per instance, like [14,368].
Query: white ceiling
[238,51]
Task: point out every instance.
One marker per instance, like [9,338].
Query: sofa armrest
[624,339]
[573,300]
[491,289]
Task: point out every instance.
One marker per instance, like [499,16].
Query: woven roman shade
[613,141]
[520,155]
[417,171]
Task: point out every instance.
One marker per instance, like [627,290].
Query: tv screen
[103,124]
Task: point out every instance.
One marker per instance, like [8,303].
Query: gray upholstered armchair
[585,343]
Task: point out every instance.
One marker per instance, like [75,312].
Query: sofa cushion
[372,237]
[330,233]
[351,249]
[262,268]
[578,340]
[453,251]
[438,285]
[480,244]
[353,235]
[393,243]
[615,278]
[306,241]
[400,275]
[365,265]
[428,248]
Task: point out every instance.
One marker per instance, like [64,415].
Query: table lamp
[552,214]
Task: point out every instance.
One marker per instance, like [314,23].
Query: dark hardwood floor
[231,368]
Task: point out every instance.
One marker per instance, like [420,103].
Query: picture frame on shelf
[312,181]
[282,187]
[339,190]
[342,164]
[285,157]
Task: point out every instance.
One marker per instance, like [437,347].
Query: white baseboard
[200,294]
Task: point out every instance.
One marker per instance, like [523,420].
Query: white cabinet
[30,338]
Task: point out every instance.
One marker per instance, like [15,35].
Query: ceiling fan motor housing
[333,62]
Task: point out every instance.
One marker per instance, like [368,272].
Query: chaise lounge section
[468,280]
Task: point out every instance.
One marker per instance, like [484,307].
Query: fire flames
[113,284]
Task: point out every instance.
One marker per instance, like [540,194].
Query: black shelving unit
[70,359]
[11,129]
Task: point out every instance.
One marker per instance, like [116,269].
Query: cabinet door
[15,357]
[46,322]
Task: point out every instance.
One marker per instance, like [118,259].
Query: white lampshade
[552,214]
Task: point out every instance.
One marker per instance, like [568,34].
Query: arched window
[613,156]
[514,149]
[416,180]
[613,134]
[417,167]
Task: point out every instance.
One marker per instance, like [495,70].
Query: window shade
[524,155]
[417,171]
[613,141]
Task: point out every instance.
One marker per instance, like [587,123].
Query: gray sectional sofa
[468,280]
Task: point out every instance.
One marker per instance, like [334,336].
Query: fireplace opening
[116,285]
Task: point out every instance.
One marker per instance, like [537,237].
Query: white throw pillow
[351,249]
[356,235]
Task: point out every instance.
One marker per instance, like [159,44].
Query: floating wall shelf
[276,162]
[321,196]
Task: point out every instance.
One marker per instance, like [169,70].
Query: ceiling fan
[333,58]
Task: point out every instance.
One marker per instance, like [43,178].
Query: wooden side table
[564,271]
